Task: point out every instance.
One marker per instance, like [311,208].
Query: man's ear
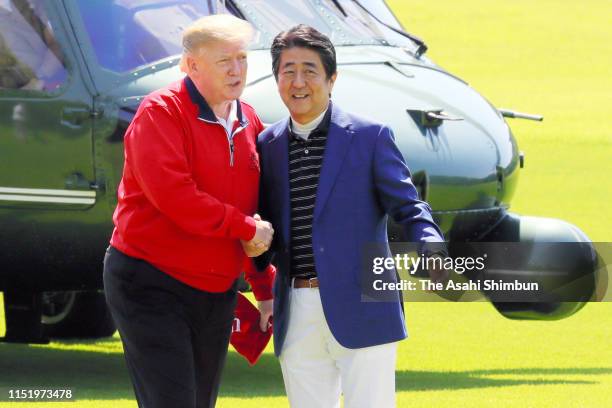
[192,64]
[189,64]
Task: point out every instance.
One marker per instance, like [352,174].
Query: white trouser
[317,369]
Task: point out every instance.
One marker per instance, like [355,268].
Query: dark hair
[307,37]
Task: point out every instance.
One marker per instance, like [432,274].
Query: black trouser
[175,337]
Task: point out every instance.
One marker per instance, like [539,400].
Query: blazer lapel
[279,155]
[339,138]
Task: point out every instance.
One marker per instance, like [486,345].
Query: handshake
[262,240]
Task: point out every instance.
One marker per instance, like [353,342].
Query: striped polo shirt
[305,160]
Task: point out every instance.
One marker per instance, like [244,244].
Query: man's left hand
[266,310]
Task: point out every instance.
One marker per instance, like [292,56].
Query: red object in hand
[247,338]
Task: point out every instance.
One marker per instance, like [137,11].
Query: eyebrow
[307,63]
[224,54]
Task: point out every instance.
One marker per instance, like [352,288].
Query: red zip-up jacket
[188,191]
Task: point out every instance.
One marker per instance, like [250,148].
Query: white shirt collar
[231,119]
[303,130]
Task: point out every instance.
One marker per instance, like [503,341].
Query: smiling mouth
[299,96]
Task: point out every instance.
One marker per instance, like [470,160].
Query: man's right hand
[262,239]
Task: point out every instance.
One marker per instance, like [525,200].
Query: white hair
[214,28]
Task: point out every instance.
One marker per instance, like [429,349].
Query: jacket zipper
[230,137]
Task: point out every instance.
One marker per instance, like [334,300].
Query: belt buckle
[310,282]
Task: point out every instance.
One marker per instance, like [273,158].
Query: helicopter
[73,73]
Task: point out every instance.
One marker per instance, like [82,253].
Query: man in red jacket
[185,218]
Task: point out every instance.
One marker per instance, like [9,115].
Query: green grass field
[548,57]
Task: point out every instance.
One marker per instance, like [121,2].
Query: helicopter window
[127,34]
[30,56]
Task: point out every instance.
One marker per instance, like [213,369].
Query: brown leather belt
[299,283]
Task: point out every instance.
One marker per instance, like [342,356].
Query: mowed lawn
[547,57]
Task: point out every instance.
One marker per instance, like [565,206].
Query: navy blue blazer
[363,179]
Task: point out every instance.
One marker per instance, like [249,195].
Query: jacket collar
[205,112]
[339,139]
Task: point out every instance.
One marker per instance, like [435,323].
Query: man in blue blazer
[329,181]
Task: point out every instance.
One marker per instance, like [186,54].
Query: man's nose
[299,80]
[235,67]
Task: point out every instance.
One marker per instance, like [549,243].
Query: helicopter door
[45,114]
